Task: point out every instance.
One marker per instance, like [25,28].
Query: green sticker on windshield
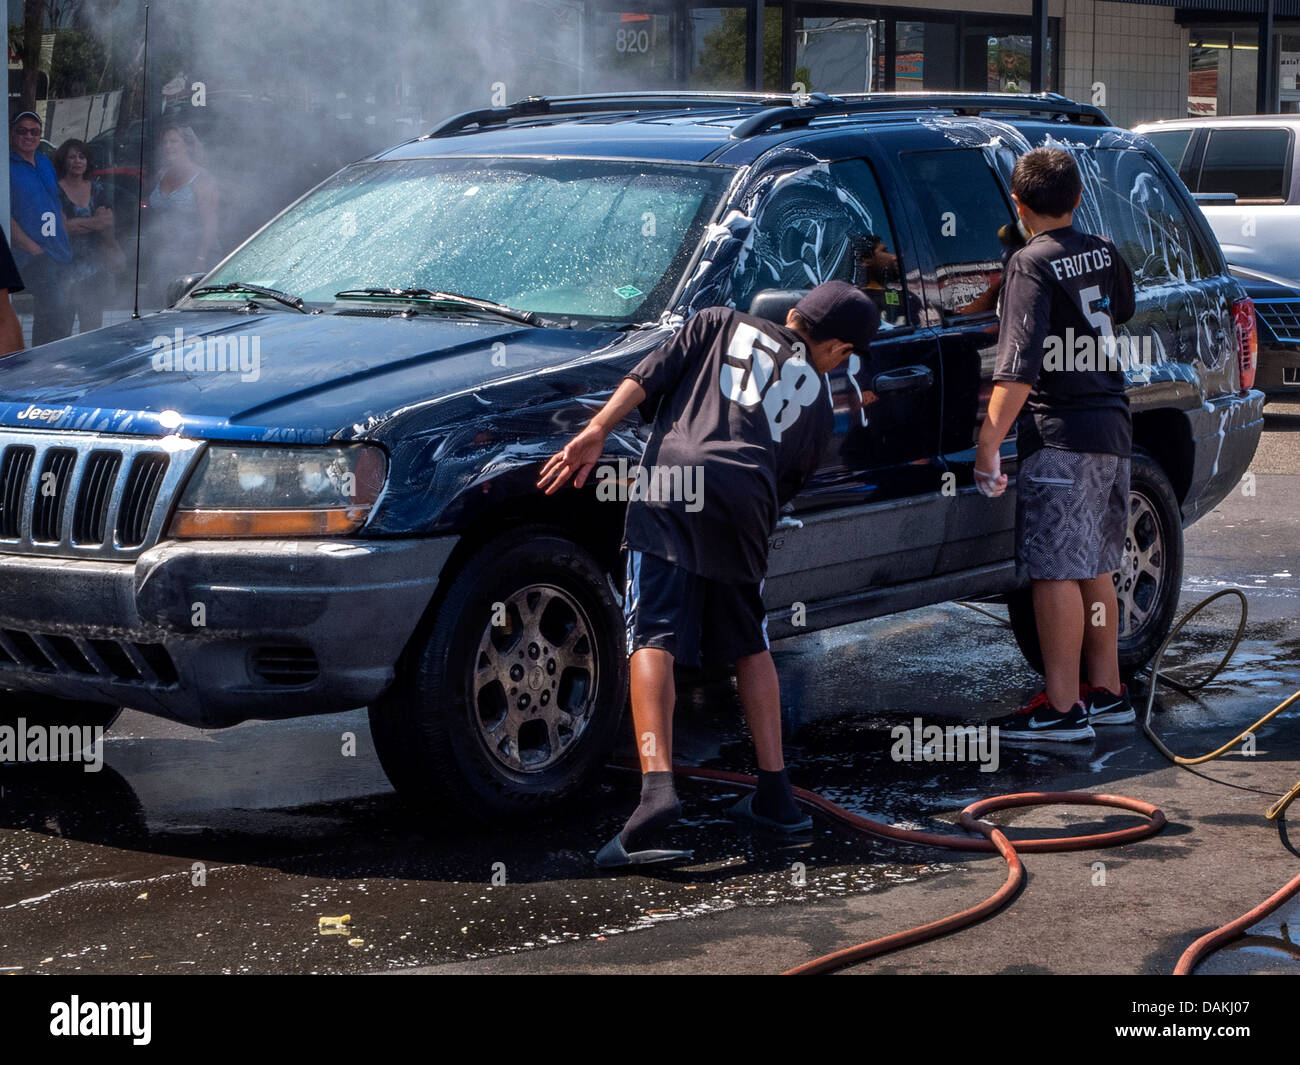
[628,292]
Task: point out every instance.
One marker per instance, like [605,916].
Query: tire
[1148,580]
[508,721]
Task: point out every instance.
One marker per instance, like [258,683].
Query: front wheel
[1149,577]
[510,703]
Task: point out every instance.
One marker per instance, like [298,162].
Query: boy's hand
[990,480]
[575,461]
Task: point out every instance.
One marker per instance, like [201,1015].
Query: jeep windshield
[587,241]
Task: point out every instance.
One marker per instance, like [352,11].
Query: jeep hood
[288,377]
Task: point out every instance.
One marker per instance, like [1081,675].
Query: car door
[960,207]
[866,513]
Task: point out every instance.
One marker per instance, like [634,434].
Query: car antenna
[144,121]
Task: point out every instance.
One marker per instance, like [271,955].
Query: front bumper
[211,633]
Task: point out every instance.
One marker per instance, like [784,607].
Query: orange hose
[994,840]
[1211,941]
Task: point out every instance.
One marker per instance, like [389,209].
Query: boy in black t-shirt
[741,411]
[1059,377]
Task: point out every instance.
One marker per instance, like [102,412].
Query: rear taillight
[1243,316]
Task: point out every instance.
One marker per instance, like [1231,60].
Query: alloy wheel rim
[535,677]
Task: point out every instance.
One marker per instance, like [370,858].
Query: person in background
[88,217]
[42,250]
[183,205]
[11,331]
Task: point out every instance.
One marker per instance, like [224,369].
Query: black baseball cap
[841,311]
[25,114]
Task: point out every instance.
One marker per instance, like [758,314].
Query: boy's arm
[578,459]
[660,372]
[1026,318]
[645,384]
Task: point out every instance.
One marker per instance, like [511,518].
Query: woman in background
[88,218]
[183,208]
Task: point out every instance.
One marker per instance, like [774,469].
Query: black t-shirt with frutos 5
[1062,295]
[740,417]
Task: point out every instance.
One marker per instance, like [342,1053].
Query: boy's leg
[760,698]
[1101,642]
[653,698]
[1058,612]
[661,609]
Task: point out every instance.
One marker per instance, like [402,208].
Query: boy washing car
[1056,377]
[745,401]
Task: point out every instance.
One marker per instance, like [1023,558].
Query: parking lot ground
[219,851]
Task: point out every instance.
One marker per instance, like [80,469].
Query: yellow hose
[1275,811]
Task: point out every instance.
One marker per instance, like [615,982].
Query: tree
[721,62]
[33,23]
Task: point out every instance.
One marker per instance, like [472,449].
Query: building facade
[1139,59]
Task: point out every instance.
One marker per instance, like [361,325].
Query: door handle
[904,379]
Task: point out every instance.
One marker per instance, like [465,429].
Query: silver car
[1244,171]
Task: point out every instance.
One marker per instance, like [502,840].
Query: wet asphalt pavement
[219,851]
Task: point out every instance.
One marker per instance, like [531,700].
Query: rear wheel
[510,702]
[1148,580]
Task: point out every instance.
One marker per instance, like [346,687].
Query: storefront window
[837,54]
[1221,68]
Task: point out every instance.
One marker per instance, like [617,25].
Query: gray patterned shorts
[1071,515]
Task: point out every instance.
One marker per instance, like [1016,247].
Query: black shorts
[690,616]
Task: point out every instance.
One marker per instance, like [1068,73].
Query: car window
[1126,198]
[825,224]
[1172,144]
[1253,163]
[962,206]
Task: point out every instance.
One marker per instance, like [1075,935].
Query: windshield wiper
[434,296]
[295,302]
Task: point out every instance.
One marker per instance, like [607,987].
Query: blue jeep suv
[309,485]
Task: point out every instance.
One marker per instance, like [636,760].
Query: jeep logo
[42,414]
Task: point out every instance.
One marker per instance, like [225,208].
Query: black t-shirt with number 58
[1062,295]
[734,401]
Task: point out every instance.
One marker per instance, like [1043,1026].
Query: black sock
[774,799]
[658,808]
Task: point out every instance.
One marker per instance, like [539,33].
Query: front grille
[51,653]
[1282,317]
[81,495]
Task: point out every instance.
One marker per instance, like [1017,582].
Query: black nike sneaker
[1039,722]
[1105,707]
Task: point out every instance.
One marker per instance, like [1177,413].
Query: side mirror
[178,287]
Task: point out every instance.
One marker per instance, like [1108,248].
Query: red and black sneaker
[1039,722]
[1105,707]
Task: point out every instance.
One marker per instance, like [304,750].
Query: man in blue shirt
[40,241]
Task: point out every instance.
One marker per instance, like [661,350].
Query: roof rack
[973,103]
[607,103]
[773,110]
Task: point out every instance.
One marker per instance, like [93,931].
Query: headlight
[277,491]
